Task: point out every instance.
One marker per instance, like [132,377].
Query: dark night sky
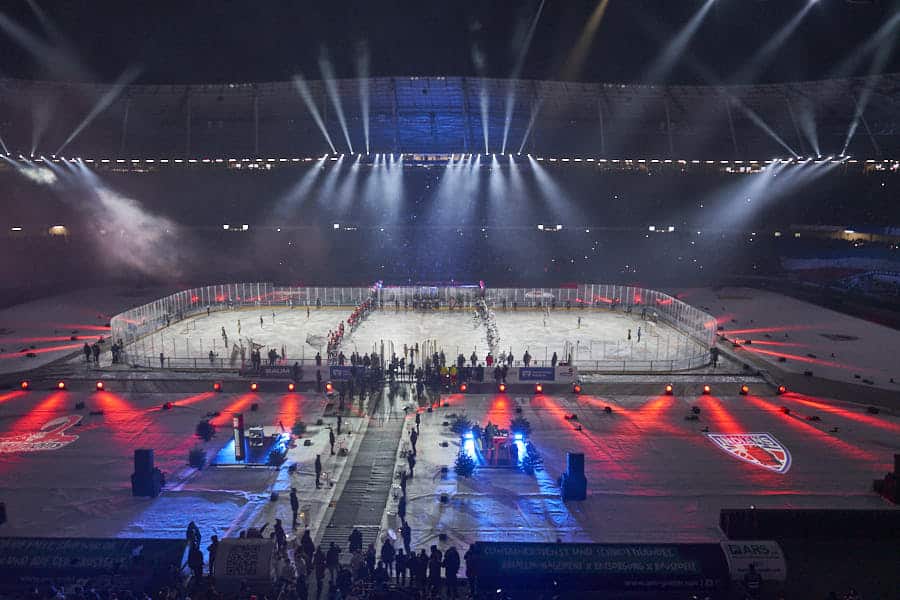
[263,40]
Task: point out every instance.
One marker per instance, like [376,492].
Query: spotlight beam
[535,110]
[517,69]
[676,48]
[306,94]
[331,90]
[483,102]
[774,43]
[362,71]
[108,97]
[882,55]
[580,50]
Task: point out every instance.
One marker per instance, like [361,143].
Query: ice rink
[601,336]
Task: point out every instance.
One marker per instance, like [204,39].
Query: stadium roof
[453,114]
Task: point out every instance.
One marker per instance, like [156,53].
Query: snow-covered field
[83,487]
[652,476]
[45,327]
[808,337]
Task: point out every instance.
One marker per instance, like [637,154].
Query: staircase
[365,494]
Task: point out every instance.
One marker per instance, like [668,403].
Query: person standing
[212,550]
[318,470]
[331,440]
[319,566]
[413,438]
[387,555]
[406,535]
[332,562]
[295,507]
[451,568]
[471,558]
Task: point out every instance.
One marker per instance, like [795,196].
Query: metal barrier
[689,350]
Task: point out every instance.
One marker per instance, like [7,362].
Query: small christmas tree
[465,466]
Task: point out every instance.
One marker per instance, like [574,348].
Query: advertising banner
[537,374]
[610,567]
[765,556]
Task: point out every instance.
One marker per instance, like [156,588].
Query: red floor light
[502,388]
[329,388]
[745,389]
[24,385]
[707,390]
[463,387]
[782,390]
[61,385]
[99,386]
[538,388]
[291,387]
[217,387]
[576,389]
[253,386]
[669,389]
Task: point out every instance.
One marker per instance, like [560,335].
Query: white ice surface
[602,336]
[783,326]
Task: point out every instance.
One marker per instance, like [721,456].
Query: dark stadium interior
[668,232]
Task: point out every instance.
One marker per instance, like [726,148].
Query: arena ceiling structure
[453,115]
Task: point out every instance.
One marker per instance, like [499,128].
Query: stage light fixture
[707,390]
[99,386]
[329,388]
[463,387]
[518,437]
[25,385]
[217,387]
[669,389]
[468,435]
[576,388]
[253,386]
[782,390]
[538,388]
[502,388]
[61,385]
[291,387]
[745,389]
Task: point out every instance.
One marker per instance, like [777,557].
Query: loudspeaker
[143,461]
[575,465]
[147,484]
[573,488]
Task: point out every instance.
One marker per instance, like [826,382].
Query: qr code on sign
[242,561]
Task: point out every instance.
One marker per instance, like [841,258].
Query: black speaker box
[143,460]
[575,465]
[573,488]
[146,484]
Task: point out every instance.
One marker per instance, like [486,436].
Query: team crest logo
[760,449]
[52,436]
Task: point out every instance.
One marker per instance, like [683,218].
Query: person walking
[319,566]
[411,461]
[355,540]
[295,507]
[318,470]
[331,439]
[413,438]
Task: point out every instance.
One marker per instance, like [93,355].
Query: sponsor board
[537,374]
[765,556]
[760,449]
